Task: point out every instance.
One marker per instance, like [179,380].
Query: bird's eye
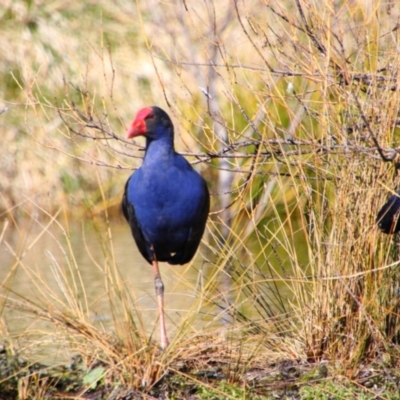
[150,116]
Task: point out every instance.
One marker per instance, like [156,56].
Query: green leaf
[93,377]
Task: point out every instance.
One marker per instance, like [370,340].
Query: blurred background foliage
[228,73]
[54,53]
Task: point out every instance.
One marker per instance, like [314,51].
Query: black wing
[388,215]
[186,254]
[129,213]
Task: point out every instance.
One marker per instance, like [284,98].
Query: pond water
[51,266]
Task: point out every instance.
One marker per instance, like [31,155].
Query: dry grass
[291,112]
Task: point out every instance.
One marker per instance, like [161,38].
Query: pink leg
[160,300]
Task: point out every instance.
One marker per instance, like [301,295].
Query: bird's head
[151,122]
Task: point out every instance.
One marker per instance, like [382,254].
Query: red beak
[138,126]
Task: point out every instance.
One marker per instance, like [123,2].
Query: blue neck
[159,150]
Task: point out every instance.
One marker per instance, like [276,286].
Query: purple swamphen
[388,216]
[166,202]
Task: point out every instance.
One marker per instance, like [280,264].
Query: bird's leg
[158,283]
